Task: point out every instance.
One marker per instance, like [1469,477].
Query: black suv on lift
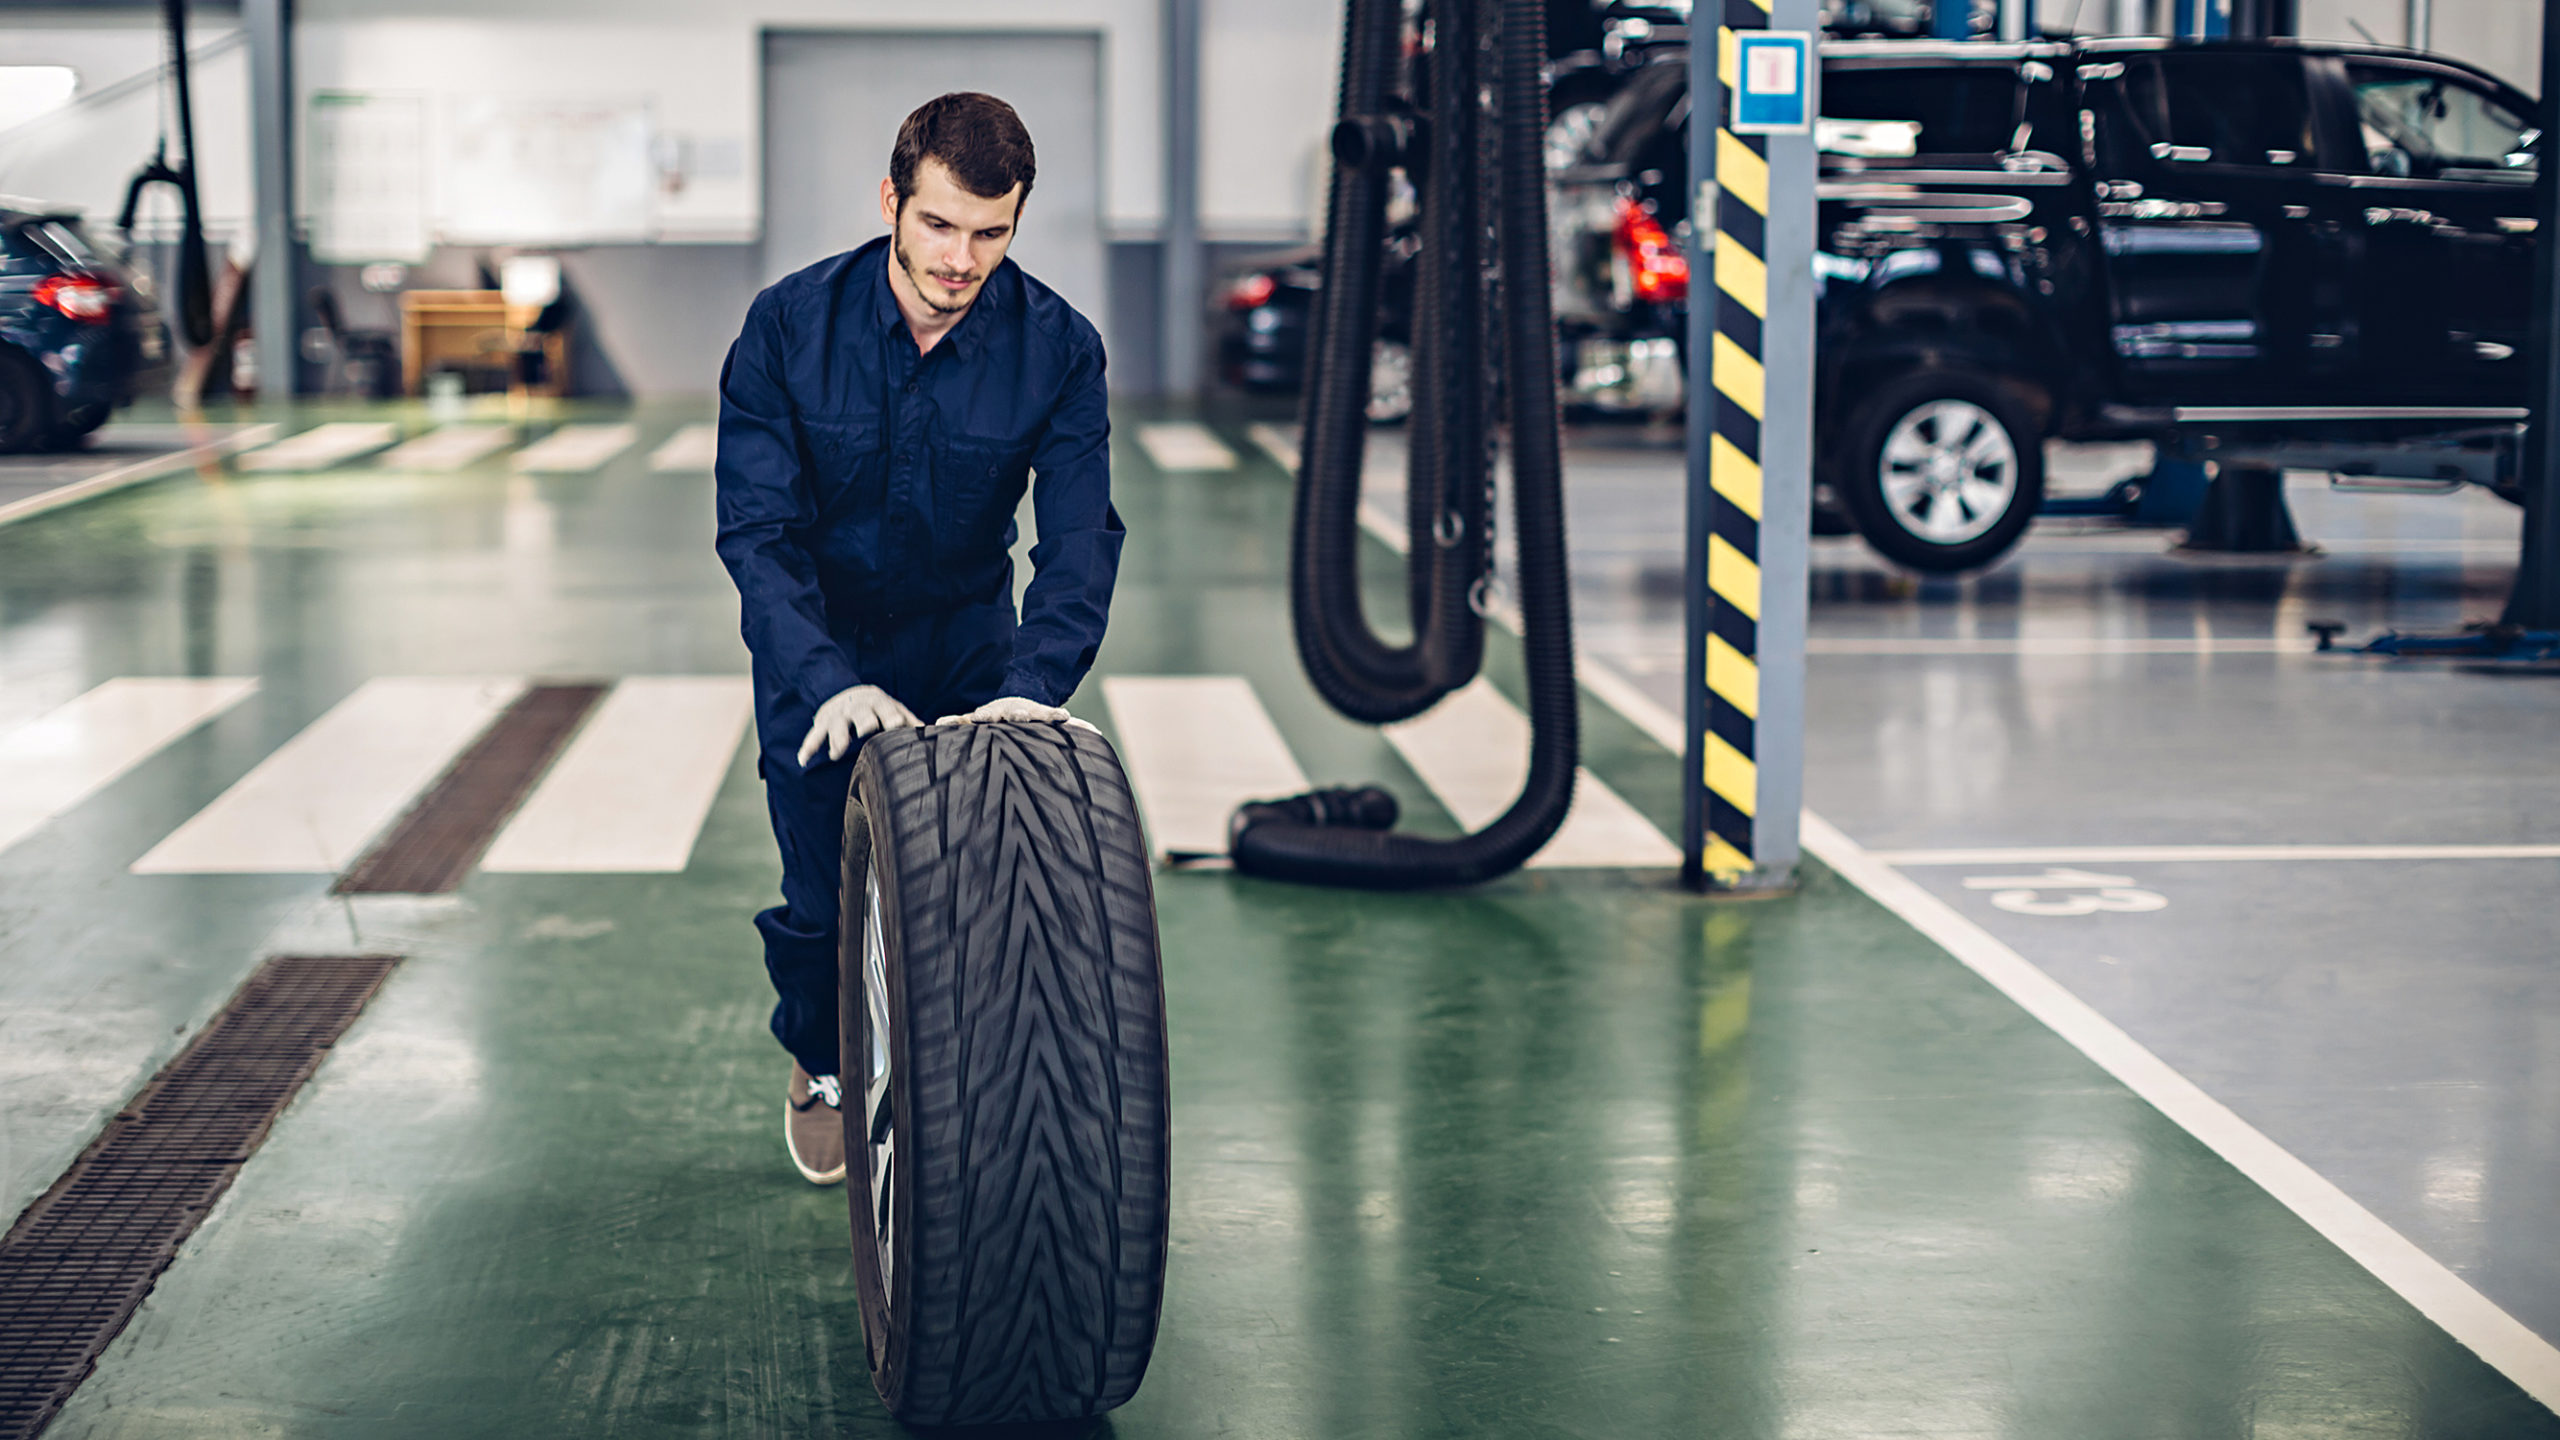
[2273,253]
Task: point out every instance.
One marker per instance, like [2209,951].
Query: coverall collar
[967,334]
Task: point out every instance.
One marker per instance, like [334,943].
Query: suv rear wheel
[26,404]
[1943,470]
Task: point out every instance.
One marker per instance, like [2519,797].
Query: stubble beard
[922,283]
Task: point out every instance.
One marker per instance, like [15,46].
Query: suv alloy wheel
[1943,469]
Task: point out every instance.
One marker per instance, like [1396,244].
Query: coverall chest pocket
[978,484]
[850,473]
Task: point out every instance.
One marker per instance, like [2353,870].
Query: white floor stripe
[2497,1337]
[1390,531]
[1184,445]
[1197,746]
[313,804]
[629,795]
[2059,645]
[694,447]
[2207,854]
[1472,749]
[1278,442]
[322,446]
[450,447]
[53,763]
[217,443]
[576,449]
[2470,1317]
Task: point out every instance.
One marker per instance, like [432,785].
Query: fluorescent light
[28,91]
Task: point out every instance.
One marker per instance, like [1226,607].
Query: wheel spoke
[1948,471]
[879,1115]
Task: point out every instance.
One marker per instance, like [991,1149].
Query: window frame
[2484,87]
[2164,150]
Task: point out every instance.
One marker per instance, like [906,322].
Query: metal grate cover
[77,1264]
[443,835]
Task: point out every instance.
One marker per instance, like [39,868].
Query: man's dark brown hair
[977,138]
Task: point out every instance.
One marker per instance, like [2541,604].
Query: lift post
[2535,602]
[1750,498]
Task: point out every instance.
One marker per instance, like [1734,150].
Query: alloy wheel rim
[879,1130]
[1949,471]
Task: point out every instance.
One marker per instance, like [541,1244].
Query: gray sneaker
[813,1126]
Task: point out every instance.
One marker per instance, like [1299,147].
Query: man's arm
[1078,554]
[763,496]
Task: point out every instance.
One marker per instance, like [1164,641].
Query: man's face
[946,239]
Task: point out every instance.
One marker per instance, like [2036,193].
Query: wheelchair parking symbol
[2067,892]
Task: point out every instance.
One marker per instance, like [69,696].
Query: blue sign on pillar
[1773,93]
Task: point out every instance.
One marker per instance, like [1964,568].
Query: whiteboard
[368,178]
[521,171]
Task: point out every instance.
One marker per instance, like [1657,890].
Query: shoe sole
[814,1177]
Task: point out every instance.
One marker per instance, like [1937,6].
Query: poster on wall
[367,196]
[532,171]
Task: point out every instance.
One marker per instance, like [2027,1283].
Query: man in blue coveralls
[880,415]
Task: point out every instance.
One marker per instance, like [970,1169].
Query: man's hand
[1015,708]
[852,714]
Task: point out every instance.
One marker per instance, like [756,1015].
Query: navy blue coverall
[867,495]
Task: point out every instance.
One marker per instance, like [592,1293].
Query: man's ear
[889,203]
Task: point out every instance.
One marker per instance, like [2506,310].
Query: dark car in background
[79,335]
[1267,311]
[2272,254]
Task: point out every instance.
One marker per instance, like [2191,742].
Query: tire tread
[1036,1137]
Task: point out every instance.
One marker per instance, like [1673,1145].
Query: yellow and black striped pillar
[1729,418]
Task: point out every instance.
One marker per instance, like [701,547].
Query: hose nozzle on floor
[1346,807]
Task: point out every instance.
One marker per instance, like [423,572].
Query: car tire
[26,404]
[76,426]
[1002,1022]
[1942,470]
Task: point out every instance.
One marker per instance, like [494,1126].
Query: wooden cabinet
[480,334]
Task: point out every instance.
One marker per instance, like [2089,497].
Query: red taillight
[78,297]
[1252,292]
[1661,271]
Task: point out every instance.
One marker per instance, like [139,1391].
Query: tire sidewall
[866,834]
[26,403]
[1858,478]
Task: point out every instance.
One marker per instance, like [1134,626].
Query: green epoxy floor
[1572,1155]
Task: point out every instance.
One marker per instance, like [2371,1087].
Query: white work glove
[1015,708]
[852,714]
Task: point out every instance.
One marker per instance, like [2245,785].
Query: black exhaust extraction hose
[1345,843]
[1381,131]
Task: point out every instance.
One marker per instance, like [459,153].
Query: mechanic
[880,415]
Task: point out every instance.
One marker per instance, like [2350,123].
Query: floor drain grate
[76,1266]
[436,843]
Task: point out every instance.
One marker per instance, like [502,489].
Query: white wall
[699,67]
[2503,37]
[83,156]
[1269,70]
[1268,77]
[699,82]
